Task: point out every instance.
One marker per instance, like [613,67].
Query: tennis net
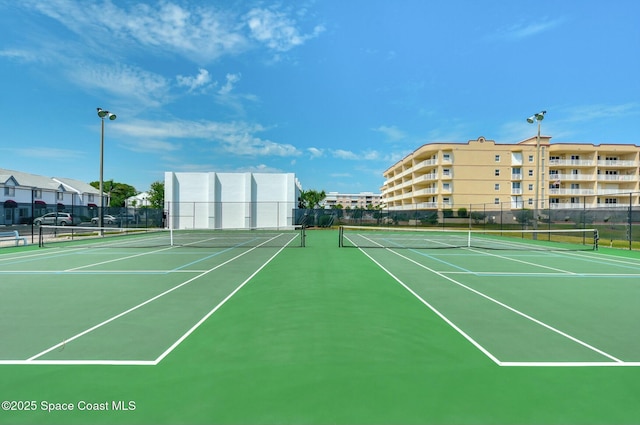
[419,238]
[115,237]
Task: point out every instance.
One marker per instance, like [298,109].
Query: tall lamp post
[533,118]
[102,114]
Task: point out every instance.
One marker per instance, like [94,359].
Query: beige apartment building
[567,175]
[352,200]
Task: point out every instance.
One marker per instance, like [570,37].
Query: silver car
[56,219]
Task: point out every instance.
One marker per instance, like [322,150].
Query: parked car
[57,219]
[108,219]
[128,218]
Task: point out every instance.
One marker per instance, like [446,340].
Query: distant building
[138,201]
[24,196]
[231,200]
[352,200]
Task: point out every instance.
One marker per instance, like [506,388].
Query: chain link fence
[618,225]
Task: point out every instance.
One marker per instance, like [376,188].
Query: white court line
[201,321]
[80,362]
[98,271]
[522,261]
[524,315]
[118,259]
[432,308]
[33,359]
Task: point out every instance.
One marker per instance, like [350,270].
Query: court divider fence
[618,224]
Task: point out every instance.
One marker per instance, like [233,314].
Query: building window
[496,172]
[530,173]
[446,156]
[530,186]
[497,158]
[446,186]
[446,172]
[611,201]
[530,158]
[9,191]
[37,193]
[530,201]
[496,186]
[496,201]
[59,196]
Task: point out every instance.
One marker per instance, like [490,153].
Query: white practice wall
[231,200]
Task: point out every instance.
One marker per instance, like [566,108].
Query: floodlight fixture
[536,117]
[106,114]
[533,118]
[102,114]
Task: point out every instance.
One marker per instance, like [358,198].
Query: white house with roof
[24,196]
[138,201]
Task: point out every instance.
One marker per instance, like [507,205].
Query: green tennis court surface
[261,333]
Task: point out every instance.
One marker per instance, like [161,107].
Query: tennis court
[320,327]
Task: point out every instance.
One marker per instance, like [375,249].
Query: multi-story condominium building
[352,200]
[563,175]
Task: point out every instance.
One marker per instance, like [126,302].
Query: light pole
[533,118]
[102,114]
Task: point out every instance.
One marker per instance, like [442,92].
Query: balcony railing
[571,192]
[572,162]
[617,177]
[617,163]
[580,176]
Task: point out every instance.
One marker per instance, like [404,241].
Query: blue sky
[335,91]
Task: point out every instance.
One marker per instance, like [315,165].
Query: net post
[40,238]
[469,239]
[340,234]
[170,223]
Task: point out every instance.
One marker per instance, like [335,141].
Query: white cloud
[315,152]
[202,33]
[392,132]
[200,81]
[595,112]
[199,32]
[342,154]
[46,152]
[238,138]
[526,29]
[261,168]
[363,156]
[21,55]
[276,30]
[125,81]
[228,86]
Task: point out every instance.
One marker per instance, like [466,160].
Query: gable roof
[76,185]
[45,183]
